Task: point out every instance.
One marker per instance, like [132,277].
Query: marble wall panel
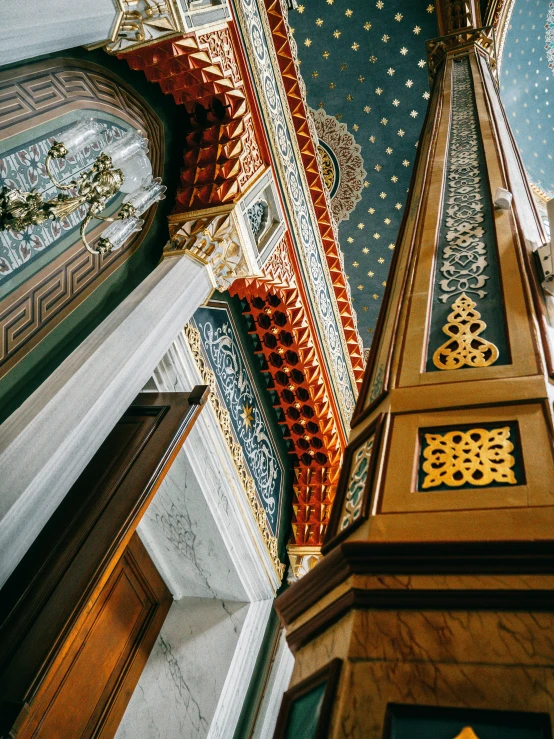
[179,689]
[465,636]
[367,687]
[492,660]
[182,537]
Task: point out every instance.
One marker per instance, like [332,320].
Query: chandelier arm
[51,177]
[84,224]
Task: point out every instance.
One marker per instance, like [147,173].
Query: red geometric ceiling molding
[309,158]
[284,337]
[202,73]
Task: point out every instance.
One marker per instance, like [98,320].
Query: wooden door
[81,612]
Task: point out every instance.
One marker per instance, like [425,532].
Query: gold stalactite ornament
[475,457]
[465,347]
[467,733]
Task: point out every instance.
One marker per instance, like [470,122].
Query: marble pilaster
[50,439]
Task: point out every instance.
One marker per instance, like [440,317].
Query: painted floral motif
[351,174]
[464,259]
[358,477]
[239,394]
[25,169]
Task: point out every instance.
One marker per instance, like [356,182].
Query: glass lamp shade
[81,134]
[118,232]
[124,148]
[150,192]
[135,169]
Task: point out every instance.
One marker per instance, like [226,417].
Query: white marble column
[278,682]
[49,440]
[29,28]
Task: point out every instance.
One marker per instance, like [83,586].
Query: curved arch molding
[46,273]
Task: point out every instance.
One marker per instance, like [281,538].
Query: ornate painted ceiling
[527,87]
[364,65]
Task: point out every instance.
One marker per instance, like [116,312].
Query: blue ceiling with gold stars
[527,87]
[364,62]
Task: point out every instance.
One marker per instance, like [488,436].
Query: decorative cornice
[306,140]
[302,560]
[285,339]
[459,43]
[414,558]
[222,155]
[139,24]
[224,419]
[211,237]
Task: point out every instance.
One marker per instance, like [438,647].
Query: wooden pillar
[437,588]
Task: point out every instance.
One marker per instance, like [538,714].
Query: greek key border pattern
[42,90]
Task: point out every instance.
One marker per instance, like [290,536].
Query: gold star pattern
[247,415]
[399,82]
[308,42]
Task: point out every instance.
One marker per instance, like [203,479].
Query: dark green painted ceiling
[527,87]
[365,63]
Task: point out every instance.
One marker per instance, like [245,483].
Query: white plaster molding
[278,682]
[47,442]
[235,521]
[29,28]
[240,672]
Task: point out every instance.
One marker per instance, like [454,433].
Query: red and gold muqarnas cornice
[225,150]
[300,117]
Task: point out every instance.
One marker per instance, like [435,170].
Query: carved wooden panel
[68,574]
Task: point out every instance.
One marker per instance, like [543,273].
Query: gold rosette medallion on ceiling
[341,163]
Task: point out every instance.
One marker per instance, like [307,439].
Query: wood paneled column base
[452,625]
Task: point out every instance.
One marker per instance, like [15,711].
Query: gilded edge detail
[474,457]
[192,336]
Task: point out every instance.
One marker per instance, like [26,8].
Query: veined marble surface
[179,689]
[182,537]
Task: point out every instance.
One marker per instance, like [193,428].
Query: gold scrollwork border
[192,336]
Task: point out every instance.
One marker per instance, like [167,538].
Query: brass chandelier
[123,166]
